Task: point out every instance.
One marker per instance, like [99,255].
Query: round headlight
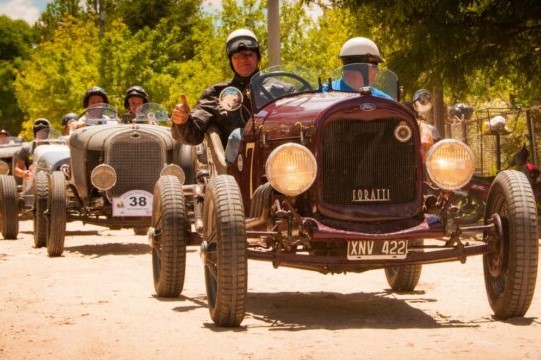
[291,169]
[175,170]
[4,168]
[103,177]
[450,164]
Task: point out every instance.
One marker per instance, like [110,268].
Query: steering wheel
[305,84]
[260,88]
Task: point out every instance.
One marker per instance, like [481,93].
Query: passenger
[4,136]
[360,58]
[190,126]
[135,97]
[69,123]
[23,156]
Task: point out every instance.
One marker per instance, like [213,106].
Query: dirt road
[97,302]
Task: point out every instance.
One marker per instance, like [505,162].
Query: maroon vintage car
[335,182]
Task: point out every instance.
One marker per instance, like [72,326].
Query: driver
[23,156]
[360,58]
[135,97]
[94,95]
[189,126]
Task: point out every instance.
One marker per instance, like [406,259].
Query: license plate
[133,203]
[377,250]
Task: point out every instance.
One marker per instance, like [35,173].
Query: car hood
[95,137]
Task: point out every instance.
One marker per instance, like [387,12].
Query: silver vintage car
[112,173]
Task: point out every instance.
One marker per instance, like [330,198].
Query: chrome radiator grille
[138,158]
[366,158]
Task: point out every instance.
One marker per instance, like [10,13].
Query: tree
[58,73]
[451,41]
[54,15]
[16,40]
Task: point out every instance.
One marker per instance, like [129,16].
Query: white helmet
[360,50]
[241,39]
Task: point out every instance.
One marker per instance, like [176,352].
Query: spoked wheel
[168,237]
[511,269]
[224,250]
[56,224]
[9,212]
[41,196]
[404,278]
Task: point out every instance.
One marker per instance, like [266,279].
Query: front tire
[510,271]
[9,212]
[168,236]
[41,196]
[404,278]
[56,226]
[224,250]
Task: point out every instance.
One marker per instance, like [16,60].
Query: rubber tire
[188,162]
[56,226]
[41,186]
[511,270]
[225,257]
[404,278]
[9,212]
[169,252]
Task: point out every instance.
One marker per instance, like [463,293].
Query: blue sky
[30,10]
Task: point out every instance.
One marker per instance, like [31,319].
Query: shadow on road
[97,250]
[72,232]
[333,311]
[292,311]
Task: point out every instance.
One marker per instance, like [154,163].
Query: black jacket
[208,111]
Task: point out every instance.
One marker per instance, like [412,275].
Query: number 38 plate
[133,203]
[377,250]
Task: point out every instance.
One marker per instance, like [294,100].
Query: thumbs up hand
[181,112]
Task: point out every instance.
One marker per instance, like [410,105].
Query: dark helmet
[4,132]
[461,111]
[241,39]
[69,116]
[135,91]
[95,90]
[40,124]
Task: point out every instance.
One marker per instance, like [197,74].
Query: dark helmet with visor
[95,90]
[40,125]
[137,91]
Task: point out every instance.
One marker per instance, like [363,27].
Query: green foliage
[16,40]
[450,42]
[58,73]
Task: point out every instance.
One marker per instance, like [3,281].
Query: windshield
[49,136]
[152,113]
[99,114]
[279,81]
[7,141]
[353,77]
